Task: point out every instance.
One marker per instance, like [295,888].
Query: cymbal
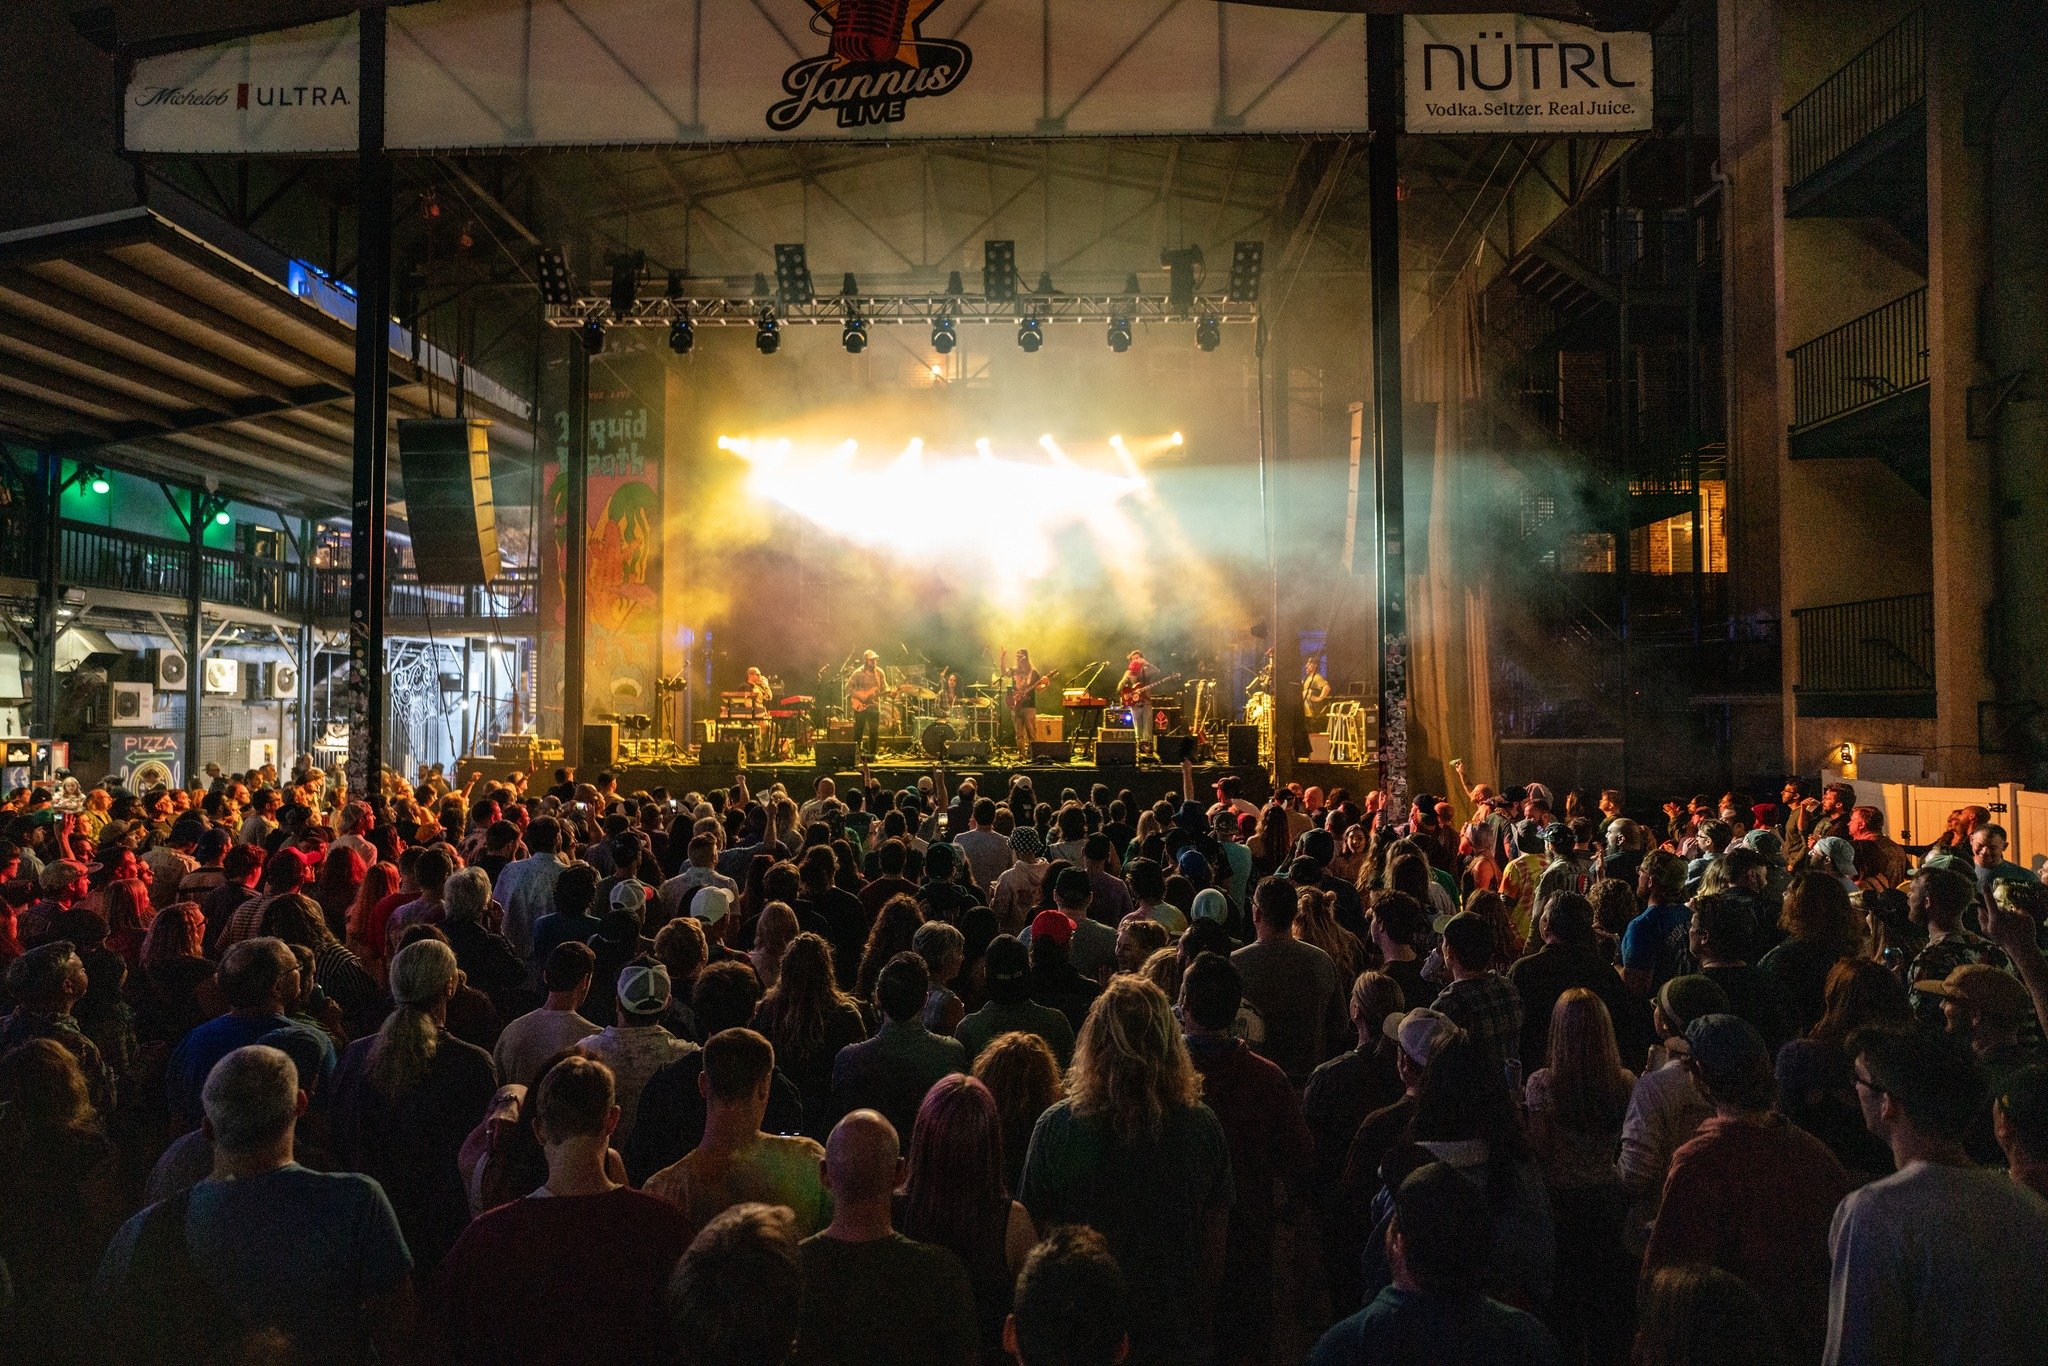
[913,690]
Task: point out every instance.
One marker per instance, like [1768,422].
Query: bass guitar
[1132,694]
[1024,694]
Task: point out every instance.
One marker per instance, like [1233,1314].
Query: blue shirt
[293,1249]
[1644,938]
[1417,1328]
[217,1038]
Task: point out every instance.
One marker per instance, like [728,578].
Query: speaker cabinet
[731,753]
[600,744]
[1244,746]
[1050,751]
[837,755]
[446,465]
[1116,753]
[967,751]
[1174,748]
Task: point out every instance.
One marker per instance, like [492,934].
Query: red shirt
[1756,1199]
[561,1279]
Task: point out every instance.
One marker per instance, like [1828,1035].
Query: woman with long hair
[128,912]
[297,920]
[1352,843]
[1823,927]
[752,898]
[1315,922]
[365,927]
[405,1098]
[1577,1103]
[893,932]
[59,1197]
[1816,1088]
[1493,909]
[1134,1153]
[1272,845]
[1372,872]
[173,991]
[809,1019]
[773,933]
[956,1197]
[1697,1315]
[341,878]
[1023,1075]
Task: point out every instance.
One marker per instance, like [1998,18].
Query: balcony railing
[17,541]
[514,594]
[1862,363]
[1880,83]
[1868,658]
[122,561]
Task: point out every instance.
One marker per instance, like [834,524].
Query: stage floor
[1147,782]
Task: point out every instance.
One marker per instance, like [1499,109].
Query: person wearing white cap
[638,1045]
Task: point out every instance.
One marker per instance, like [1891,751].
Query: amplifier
[1244,746]
[1051,729]
[1117,734]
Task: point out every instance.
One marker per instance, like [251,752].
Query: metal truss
[742,310]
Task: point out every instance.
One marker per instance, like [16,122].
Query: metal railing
[123,561]
[1876,646]
[251,581]
[1861,363]
[1883,81]
[514,594]
[18,541]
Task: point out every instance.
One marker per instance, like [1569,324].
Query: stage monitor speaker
[1174,748]
[730,752]
[600,744]
[837,755]
[1244,746]
[1051,751]
[1116,753]
[446,465]
[967,751]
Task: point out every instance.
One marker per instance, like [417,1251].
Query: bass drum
[934,739]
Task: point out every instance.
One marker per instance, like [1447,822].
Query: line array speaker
[446,465]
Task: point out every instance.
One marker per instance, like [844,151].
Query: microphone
[868,30]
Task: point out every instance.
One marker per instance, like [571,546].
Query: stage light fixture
[854,335]
[767,333]
[1119,335]
[554,278]
[944,337]
[1030,336]
[626,267]
[98,482]
[1181,265]
[999,271]
[792,274]
[1247,262]
[1208,333]
[1045,283]
[953,286]
[591,334]
[222,518]
[682,333]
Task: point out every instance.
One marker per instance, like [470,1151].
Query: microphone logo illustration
[877,61]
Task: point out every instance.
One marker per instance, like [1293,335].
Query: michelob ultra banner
[1512,73]
[483,74]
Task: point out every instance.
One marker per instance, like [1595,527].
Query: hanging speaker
[446,466]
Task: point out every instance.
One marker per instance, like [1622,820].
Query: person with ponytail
[406,1097]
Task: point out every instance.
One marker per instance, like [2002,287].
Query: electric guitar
[860,699]
[1133,694]
[1024,694]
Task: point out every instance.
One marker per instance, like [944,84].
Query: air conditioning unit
[171,671]
[284,682]
[131,705]
[223,677]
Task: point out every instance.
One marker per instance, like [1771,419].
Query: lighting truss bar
[739,310]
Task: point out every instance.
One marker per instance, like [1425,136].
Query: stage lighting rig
[792,275]
[767,332]
[944,338]
[626,267]
[999,271]
[1247,262]
[1181,264]
[555,290]
[682,333]
[854,335]
[1208,333]
[1119,335]
[1030,335]
[591,334]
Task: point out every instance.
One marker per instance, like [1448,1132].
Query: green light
[221,518]
[100,484]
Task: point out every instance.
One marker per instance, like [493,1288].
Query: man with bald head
[872,1296]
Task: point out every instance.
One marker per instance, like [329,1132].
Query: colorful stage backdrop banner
[1511,73]
[521,73]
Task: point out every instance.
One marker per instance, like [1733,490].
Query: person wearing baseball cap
[64,883]
[637,1045]
[1987,1007]
[1007,971]
[1666,1108]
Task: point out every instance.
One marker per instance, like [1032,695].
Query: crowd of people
[504,1074]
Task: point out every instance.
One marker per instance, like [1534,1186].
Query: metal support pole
[575,614]
[367,567]
[198,509]
[302,709]
[49,564]
[1383,226]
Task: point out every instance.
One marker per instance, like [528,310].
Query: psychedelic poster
[623,555]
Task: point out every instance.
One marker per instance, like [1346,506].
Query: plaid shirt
[1938,960]
[1488,1008]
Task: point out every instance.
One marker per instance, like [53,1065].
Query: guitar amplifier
[1117,735]
[839,730]
[1051,729]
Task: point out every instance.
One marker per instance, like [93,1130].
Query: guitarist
[1025,682]
[1134,690]
[864,696]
